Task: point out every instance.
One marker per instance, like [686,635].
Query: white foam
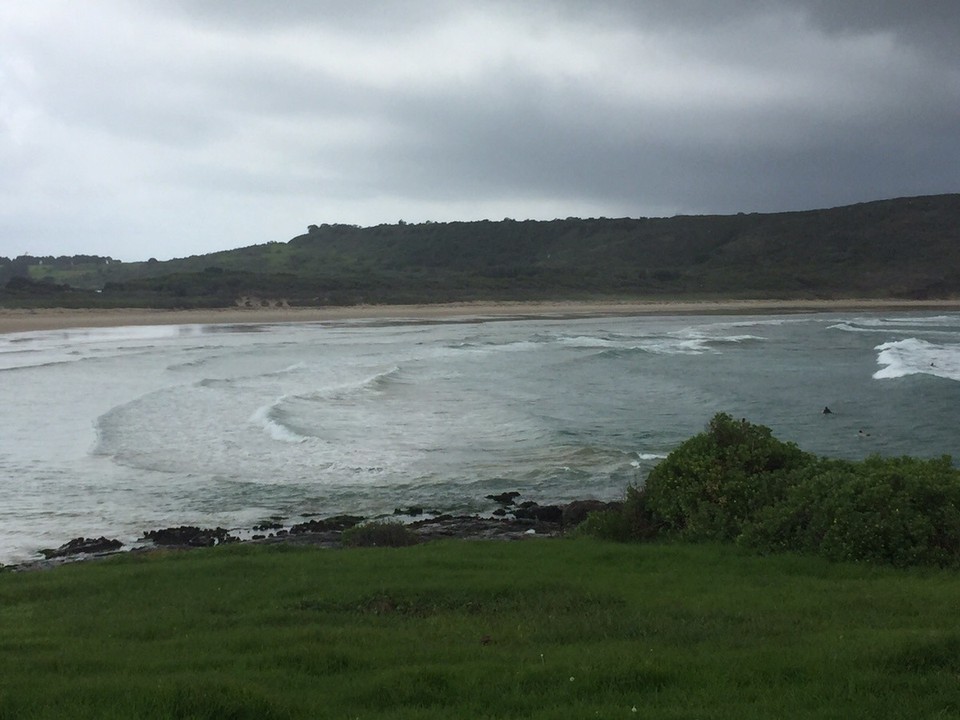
[270,417]
[738,339]
[44,348]
[643,457]
[263,416]
[370,382]
[936,320]
[692,342]
[296,367]
[913,326]
[516,346]
[759,322]
[913,356]
[586,341]
[848,327]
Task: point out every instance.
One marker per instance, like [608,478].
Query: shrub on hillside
[735,481]
[631,520]
[717,482]
[379,534]
[900,511]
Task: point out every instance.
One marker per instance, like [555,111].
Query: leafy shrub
[606,525]
[735,481]
[379,534]
[900,511]
[632,520]
[716,482]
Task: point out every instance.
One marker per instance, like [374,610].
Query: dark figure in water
[827,411]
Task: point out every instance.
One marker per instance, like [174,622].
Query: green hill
[902,248]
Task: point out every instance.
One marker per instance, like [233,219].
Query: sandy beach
[19,320]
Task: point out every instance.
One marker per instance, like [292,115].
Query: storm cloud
[137,128]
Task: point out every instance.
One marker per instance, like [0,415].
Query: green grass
[540,629]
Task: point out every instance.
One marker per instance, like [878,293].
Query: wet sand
[16,320]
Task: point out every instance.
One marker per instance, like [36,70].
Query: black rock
[541,513]
[505,498]
[80,545]
[471,527]
[337,522]
[190,536]
[268,525]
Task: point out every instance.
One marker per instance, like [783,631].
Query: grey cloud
[921,19]
[368,18]
[846,16]
[213,116]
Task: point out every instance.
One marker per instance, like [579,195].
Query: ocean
[117,431]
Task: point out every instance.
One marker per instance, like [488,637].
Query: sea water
[116,431]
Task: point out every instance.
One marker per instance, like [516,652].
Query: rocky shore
[512,520]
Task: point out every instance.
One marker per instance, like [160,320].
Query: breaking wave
[689,342]
[914,356]
[270,418]
[293,417]
[941,326]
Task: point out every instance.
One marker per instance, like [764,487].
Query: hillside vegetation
[903,248]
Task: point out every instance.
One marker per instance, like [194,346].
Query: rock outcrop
[190,536]
[83,546]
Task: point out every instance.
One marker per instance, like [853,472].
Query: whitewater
[117,431]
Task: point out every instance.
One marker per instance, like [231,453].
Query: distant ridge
[906,248]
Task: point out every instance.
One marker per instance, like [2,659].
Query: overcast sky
[164,128]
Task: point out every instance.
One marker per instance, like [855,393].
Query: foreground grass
[541,629]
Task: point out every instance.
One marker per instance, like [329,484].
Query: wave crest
[270,419]
[292,418]
[914,356]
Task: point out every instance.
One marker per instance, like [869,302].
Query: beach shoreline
[32,320]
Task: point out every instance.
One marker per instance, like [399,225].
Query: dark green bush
[632,520]
[379,534]
[735,481]
[899,511]
[716,482]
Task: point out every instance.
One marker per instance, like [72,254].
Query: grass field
[539,629]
